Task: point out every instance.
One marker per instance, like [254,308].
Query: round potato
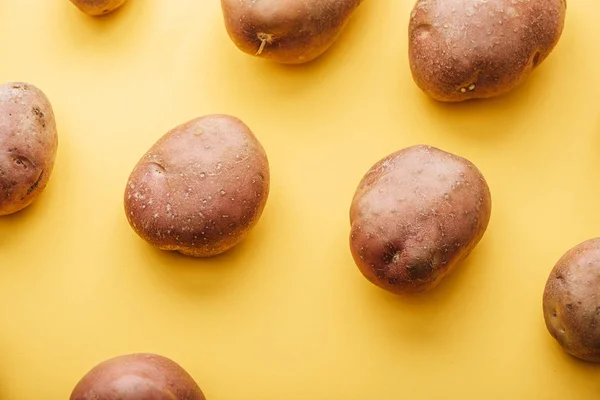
[286,31]
[28,144]
[415,215]
[137,377]
[98,7]
[462,50]
[201,188]
[571,301]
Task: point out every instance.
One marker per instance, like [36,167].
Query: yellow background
[287,315]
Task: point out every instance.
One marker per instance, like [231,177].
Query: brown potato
[98,7]
[571,301]
[201,188]
[415,215]
[137,377]
[462,50]
[286,31]
[28,144]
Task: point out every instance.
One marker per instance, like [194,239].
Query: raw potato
[137,377]
[28,143]
[98,7]
[571,301]
[201,188]
[415,215]
[466,49]
[286,31]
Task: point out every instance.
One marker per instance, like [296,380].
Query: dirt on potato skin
[415,216]
[28,145]
[201,188]
[571,301]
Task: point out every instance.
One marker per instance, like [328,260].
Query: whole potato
[466,49]
[98,7]
[415,215]
[28,144]
[571,301]
[286,31]
[201,188]
[137,377]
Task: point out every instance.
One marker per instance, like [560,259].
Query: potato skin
[98,7]
[137,377]
[201,188]
[415,215]
[461,50]
[293,31]
[571,301]
[28,144]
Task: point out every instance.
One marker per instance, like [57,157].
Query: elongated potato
[571,301]
[415,215]
[98,7]
[466,49]
[137,377]
[28,144]
[286,31]
[201,188]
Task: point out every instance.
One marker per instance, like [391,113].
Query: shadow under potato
[202,275]
[419,316]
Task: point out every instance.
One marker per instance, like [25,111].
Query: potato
[462,50]
[137,377]
[98,7]
[571,301]
[201,188]
[415,215]
[28,144]
[286,31]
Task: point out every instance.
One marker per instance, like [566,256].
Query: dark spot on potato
[420,269]
[569,307]
[158,168]
[536,59]
[391,254]
[36,184]
[22,162]
[39,115]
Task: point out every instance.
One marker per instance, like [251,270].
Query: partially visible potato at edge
[462,50]
[137,377]
[98,7]
[571,301]
[286,31]
[201,188]
[28,144]
[415,216]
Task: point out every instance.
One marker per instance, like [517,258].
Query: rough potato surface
[201,188]
[415,215]
[465,49]
[137,377]
[571,301]
[28,144]
[98,7]
[286,31]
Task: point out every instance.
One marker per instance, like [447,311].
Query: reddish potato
[415,215]
[98,7]
[137,377]
[571,301]
[28,144]
[201,188]
[462,50]
[286,31]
